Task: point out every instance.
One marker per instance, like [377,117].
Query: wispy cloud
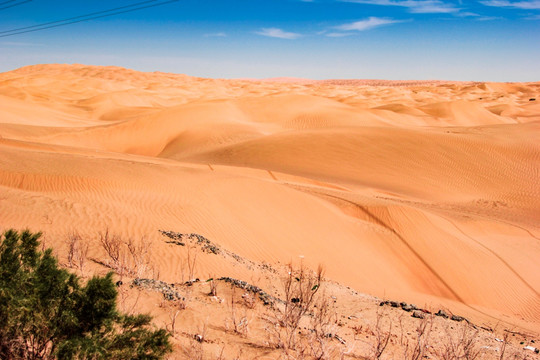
[17,43]
[529,5]
[338,34]
[278,33]
[414,6]
[367,24]
[477,17]
[532,17]
[218,34]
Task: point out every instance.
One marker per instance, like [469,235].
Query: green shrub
[45,313]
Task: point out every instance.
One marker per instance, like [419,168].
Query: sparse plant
[323,331]
[140,255]
[502,349]
[126,257]
[239,324]
[423,332]
[464,346]
[382,337]
[77,251]
[213,286]
[191,259]
[300,288]
[112,244]
[249,300]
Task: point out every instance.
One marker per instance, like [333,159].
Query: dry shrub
[423,332]
[463,346]
[249,300]
[173,308]
[237,323]
[188,263]
[323,340]
[301,287]
[126,258]
[213,286]
[77,251]
[382,336]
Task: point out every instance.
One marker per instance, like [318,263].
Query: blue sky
[484,40]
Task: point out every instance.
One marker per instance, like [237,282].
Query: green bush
[45,313]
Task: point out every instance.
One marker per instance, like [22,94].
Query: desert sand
[418,191]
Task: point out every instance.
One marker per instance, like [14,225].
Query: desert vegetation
[48,312]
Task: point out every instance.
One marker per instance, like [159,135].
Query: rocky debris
[191,282]
[442,313]
[531,348]
[180,239]
[532,99]
[205,244]
[176,237]
[403,305]
[409,307]
[340,339]
[198,338]
[211,248]
[168,291]
[418,314]
[266,298]
[414,309]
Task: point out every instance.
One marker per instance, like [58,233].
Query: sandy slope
[421,191]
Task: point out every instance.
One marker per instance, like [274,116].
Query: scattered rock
[394,304]
[176,237]
[266,298]
[340,339]
[457,318]
[191,282]
[532,99]
[166,289]
[408,308]
[418,314]
[442,313]
[531,348]
[198,337]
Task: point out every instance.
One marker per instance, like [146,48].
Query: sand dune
[420,191]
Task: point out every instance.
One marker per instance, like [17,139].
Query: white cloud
[278,33]
[218,34]
[478,17]
[529,5]
[414,6]
[367,24]
[338,34]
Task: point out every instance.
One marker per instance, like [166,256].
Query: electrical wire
[13,5]
[82,18]
[7,2]
[78,17]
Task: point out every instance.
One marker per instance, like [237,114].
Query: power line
[77,17]
[10,6]
[7,2]
[82,18]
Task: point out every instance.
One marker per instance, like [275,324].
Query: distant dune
[425,191]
